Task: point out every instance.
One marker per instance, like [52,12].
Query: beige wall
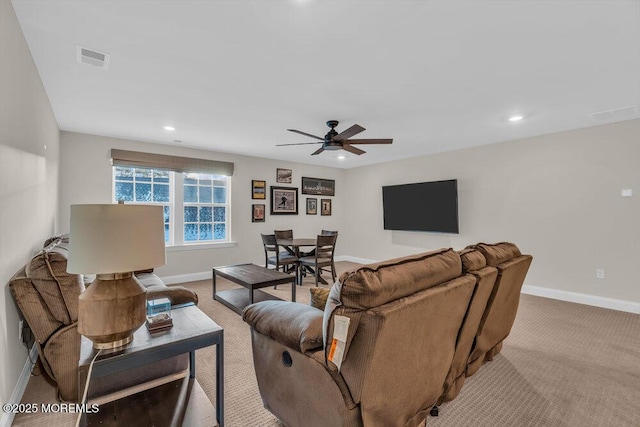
[86,174]
[556,196]
[28,180]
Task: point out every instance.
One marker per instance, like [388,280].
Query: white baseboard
[597,301]
[354,259]
[21,385]
[190,277]
[594,300]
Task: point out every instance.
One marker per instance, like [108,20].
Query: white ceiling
[232,76]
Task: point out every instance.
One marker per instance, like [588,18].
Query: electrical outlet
[599,273]
[20,328]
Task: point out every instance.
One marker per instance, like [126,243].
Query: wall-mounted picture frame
[284,176]
[312,206]
[318,186]
[258,189]
[284,200]
[257,213]
[325,207]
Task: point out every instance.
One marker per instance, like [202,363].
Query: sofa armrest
[294,325]
[156,288]
[178,295]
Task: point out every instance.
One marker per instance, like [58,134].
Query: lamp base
[111,309]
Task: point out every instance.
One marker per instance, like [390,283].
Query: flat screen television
[424,206]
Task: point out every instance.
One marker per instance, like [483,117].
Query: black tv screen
[424,206]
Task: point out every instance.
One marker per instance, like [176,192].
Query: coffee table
[251,277]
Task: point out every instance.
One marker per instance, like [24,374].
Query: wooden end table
[192,330]
[252,277]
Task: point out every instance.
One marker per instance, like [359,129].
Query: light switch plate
[626,192]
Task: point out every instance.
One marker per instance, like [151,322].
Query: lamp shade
[106,239]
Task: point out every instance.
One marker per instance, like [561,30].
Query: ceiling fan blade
[299,143]
[306,134]
[353,150]
[353,130]
[370,141]
[318,151]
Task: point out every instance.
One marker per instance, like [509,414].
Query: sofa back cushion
[497,253]
[376,284]
[46,294]
[472,260]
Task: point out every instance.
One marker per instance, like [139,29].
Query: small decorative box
[159,314]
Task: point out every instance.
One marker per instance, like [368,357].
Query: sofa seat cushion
[149,280]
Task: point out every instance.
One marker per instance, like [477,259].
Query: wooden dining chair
[323,257]
[281,260]
[322,233]
[285,235]
[331,233]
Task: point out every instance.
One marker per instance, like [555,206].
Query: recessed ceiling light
[341,157]
[169,128]
[515,118]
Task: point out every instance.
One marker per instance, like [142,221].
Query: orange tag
[332,350]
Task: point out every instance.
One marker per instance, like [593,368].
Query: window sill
[200,246]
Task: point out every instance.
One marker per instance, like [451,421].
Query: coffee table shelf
[251,277]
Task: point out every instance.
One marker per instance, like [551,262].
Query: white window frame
[176,212]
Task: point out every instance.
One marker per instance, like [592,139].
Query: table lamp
[113,241]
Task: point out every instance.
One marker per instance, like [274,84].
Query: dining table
[293,246]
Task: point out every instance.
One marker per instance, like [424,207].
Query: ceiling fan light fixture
[341,157]
[169,128]
[516,118]
[333,140]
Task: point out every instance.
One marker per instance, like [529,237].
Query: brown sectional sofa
[417,325]
[47,297]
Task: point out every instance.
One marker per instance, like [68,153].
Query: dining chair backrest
[325,246]
[283,234]
[270,243]
[329,233]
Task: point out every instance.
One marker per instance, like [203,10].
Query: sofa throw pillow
[318,297]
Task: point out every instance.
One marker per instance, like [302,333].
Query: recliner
[502,305]
[431,319]
[404,317]
[47,297]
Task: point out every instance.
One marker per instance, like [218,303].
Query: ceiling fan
[336,141]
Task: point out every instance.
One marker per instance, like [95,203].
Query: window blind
[172,163]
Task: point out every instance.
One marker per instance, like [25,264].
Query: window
[205,207]
[145,186]
[196,206]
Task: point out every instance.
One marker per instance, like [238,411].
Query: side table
[192,330]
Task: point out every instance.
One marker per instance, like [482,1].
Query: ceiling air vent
[92,57]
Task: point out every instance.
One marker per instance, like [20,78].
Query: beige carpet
[564,364]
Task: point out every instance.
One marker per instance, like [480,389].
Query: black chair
[280,260]
[323,257]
